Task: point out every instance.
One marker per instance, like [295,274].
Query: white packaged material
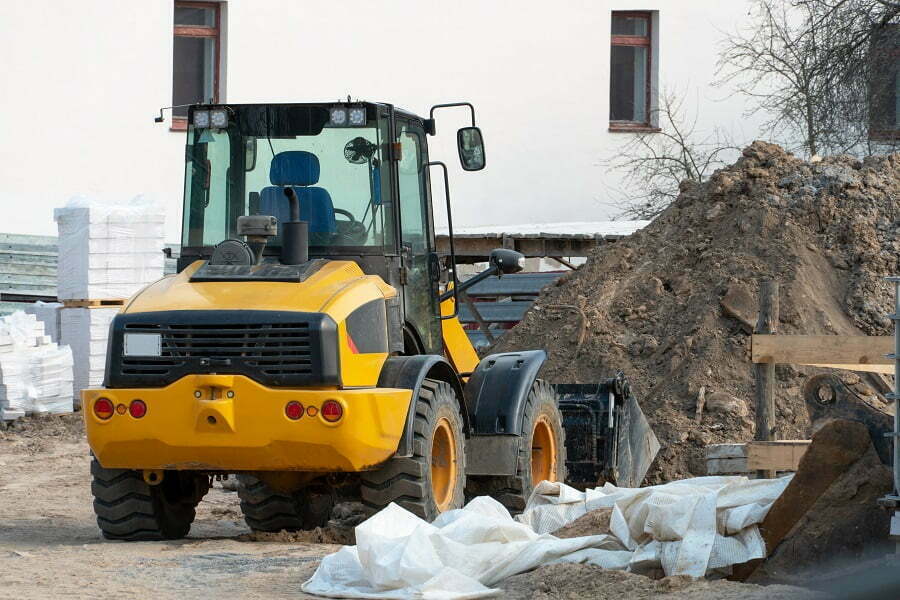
[48,314]
[85,331]
[680,526]
[51,379]
[35,373]
[108,250]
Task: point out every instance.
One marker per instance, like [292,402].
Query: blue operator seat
[300,170]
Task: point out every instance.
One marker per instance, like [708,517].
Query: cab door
[417,236]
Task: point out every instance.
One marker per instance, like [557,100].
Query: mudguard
[408,372]
[498,389]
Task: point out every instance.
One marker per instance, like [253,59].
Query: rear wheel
[128,508]
[432,480]
[270,510]
[542,452]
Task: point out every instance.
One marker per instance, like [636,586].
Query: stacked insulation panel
[107,253]
[35,373]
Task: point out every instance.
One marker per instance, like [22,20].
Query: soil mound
[576,581]
[673,305]
[38,432]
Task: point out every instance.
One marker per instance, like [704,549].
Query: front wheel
[542,452]
[433,479]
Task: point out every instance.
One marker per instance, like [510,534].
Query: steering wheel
[351,230]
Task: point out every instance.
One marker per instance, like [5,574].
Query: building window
[884,86]
[195,57]
[630,71]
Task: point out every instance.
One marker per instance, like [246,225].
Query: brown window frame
[645,41]
[200,31]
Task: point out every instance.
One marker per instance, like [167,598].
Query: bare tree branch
[655,164]
[819,69]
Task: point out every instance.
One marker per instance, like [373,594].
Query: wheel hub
[543,452]
[443,464]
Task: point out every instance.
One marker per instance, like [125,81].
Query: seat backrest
[315,207]
[298,169]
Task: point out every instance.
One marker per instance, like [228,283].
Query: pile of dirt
[595,522]
[36,432]
[340,529]
[577,581]
[673,305]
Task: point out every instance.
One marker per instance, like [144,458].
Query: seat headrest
[294,167]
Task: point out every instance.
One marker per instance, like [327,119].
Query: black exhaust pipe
[294,234]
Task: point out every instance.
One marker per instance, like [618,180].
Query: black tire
[269,510]
[127,508]
[408,481]
[513,492]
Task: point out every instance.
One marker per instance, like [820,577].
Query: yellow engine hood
[337,288]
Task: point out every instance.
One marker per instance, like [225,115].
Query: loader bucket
[608,437]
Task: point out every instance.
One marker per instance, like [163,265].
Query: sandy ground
[50,546]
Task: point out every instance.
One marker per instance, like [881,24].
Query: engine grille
[274,348]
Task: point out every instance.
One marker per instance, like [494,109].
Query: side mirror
[507,261]
[471,148]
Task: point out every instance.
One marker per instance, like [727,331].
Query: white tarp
[689,527]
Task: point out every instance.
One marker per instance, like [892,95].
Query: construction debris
[672,304]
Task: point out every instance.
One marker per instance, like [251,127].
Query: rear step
[608,437]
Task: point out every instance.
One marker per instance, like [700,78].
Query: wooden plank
[883,369]
[783,455]
[100,303]
[828,350]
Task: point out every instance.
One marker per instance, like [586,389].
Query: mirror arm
[454,293]
[429,123]
[489,272]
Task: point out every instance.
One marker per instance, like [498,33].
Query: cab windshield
[336,170]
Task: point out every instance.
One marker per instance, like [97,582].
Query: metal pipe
[896,395]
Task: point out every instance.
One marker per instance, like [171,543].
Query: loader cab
[360,173]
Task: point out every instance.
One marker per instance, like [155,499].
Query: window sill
[632,128]
[178,124]
[884,135]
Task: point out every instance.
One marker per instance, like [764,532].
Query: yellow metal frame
[232,423]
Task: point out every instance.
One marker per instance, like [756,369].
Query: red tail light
[332,411]
[293,410]
[137,408]
[103,408]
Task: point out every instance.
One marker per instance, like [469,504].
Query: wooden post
[767,323]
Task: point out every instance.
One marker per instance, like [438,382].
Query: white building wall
[82,81]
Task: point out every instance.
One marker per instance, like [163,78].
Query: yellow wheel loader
[309,343]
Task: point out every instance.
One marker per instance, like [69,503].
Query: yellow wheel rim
[443,464]
[543,451]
